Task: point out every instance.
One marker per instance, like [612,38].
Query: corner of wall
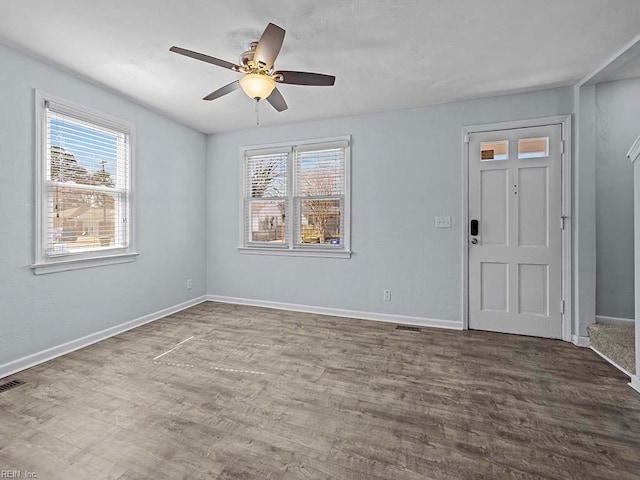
[584,182]
[207,173]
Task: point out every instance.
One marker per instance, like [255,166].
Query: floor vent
[9,385]
[407,328]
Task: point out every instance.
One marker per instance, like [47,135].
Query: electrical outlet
[443,222]
[387,295]
[189,284]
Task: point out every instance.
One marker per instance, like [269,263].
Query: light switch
[443,222]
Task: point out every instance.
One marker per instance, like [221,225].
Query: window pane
[86,183]
[267,221]
[81,220]
[320,221]
[533,147]
[498,150]
[82,154]
[320,173]
[267,175]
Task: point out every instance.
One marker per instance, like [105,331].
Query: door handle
[474,228]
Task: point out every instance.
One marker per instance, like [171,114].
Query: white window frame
[293,247]
[44,262]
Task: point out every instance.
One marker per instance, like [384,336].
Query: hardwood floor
[266,394]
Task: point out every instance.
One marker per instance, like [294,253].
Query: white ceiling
[629,70]
[386,54]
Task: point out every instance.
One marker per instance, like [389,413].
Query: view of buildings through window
[268,184]
[315,200]
[86,187]
[320,190]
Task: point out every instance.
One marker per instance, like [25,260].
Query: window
[296,199]
[84,188]
[494,150]
[533,148]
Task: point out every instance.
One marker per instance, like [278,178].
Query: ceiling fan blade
[223,90]
[277,100]
[204,58]
[269,46]
[304,78]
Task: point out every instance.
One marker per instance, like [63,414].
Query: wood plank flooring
[266,394]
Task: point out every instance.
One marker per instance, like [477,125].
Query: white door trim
[565,122]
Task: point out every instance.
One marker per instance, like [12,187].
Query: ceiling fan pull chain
[257,111]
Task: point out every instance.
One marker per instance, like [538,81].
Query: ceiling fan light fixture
[257,85]
[259,74]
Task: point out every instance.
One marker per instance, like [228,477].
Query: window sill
[55,266]
[299,252]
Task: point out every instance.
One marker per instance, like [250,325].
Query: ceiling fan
[260,78]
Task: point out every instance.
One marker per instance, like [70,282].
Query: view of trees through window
[320,182]
[83,204]
[268,182]
[316,200]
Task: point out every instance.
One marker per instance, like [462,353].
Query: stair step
[616,342]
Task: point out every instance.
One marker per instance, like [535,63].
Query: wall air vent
[407,328]
[9,385]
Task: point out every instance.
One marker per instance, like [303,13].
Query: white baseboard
[623,370]
[53,352]
[614,320]
[580,341]
[338,312]
[635,383]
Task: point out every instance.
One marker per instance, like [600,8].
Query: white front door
[515,241]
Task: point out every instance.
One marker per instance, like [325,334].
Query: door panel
[494,188]
[515,260]
[533,289]
[533,217]
[495,287]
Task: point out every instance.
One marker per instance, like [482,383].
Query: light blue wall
[39,312]
[406,169]
[617,127]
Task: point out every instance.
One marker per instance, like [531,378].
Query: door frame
[566,175]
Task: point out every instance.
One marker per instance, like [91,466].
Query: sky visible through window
[89,146]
